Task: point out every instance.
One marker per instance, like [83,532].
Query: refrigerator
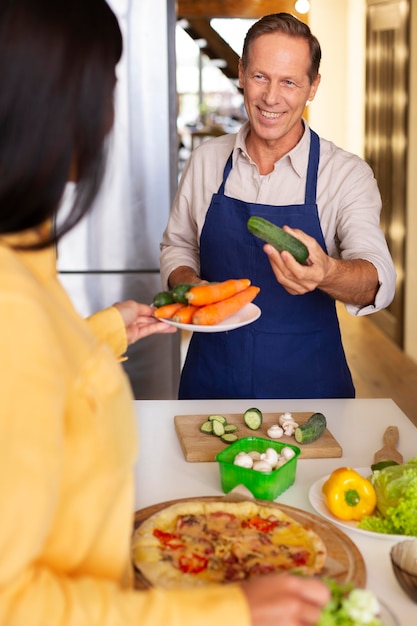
[113,254]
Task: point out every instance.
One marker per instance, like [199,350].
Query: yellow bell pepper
[348,495]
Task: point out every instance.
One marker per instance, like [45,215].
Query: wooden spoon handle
[391,436]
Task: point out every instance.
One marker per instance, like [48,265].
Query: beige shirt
[348,199]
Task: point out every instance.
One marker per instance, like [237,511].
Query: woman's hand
[139,321]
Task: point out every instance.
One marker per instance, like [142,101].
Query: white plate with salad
[318,502]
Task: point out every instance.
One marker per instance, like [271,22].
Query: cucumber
[229,438]
[219,418]
[278,238]
[253,418]
[230,428]
[218,428]
[178,292]
[162,298]
[207,427]
[312,429]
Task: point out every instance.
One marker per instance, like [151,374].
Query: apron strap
[226,172]
[312,170]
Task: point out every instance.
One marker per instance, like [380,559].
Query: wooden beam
[235,8]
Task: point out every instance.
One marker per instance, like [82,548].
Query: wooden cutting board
[200,447]
[344,562]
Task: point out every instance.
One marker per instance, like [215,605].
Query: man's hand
[353,282]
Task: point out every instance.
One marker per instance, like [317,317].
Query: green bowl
[265,486]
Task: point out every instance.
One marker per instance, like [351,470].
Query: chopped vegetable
[349,606]
[311,430]
[396,491]
[348,495]
[201,295]
[217,425]
[253,418]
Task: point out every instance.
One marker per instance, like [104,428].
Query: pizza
[197,542]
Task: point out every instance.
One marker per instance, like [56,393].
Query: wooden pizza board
[198,446]
[344,561]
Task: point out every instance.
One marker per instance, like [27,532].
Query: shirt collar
[298,156]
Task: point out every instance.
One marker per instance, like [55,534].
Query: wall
[337,113]
[411,252]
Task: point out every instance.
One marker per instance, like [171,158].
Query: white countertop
[162,473]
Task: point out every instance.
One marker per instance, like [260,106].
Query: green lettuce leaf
[396,490]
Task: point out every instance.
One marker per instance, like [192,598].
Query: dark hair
[57,78]
[290,25]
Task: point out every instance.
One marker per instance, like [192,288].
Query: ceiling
[196,15]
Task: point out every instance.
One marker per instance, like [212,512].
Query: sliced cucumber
[207,427]
[253,418]
[311,430]
[218,428]
[230,428]
[229,438]
[219,418]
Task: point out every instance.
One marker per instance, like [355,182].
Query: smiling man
[278,168]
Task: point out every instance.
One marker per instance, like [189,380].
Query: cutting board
[344,562]
[200,447]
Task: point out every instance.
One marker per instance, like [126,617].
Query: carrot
[200,295]
[168,310]
[218,311]
[185,315]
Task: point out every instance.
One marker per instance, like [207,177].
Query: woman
[66,419]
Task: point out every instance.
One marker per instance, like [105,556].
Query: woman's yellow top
[67,451]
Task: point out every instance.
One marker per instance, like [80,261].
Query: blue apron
[294,350]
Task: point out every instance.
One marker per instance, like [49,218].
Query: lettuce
[349,606]
[396,489]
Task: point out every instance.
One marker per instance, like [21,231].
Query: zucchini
[162,298]
[253,418]
[312,429]
[278,238]
[179,291]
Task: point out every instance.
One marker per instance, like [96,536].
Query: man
[278,168]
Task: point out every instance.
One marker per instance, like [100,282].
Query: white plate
[317,501]
[247,314]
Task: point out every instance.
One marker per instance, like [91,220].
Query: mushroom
[254,455]
[287,453]
[243,460]
[262,466]
[275,431]
[284,418]
[271,456]
[289,427]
